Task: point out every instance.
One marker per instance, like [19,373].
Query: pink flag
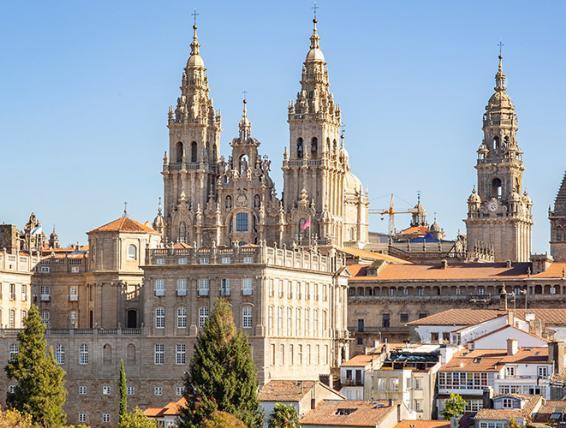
[306,225]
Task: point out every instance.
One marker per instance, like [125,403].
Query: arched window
[314,147]
[179,150]
[335,145]
[132,252]
[495,143]
[228,202]
[182,232]
[257,201]
[327,144]
[496,188]
[107,354]
[300,148]
[131,352]
[243,164]
[242,222]
[194,151]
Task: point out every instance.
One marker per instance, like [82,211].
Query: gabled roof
[464,317]
[125,225]
[291,390]
[532,403]
[493,360]
[372,255]
[173,408]
[361,360]
[505,327]
[348,413]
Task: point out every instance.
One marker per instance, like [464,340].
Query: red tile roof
[124,225]
[372,255]
[347,413]
[361,360]
[491,360]
[285,390]
[423,423]
[172,408]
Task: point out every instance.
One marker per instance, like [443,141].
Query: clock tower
[499,211]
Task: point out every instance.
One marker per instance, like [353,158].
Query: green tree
[40,390]
[222,374]
[11,418]
[223,420]
[284,416]
[454,407]
[123,391]
[513,423]
[136,419]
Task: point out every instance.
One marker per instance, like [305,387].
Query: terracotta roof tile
[455,271]
[124,224]
[361,360]
[372,255]
[423,423]
[532,402]
[173,408]
[285,390]
[347,413]
[548,408]
[491,360]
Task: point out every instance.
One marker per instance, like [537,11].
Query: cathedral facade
[213,200]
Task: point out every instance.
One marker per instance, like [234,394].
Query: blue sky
[85,87]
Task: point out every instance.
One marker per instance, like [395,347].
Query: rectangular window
[279,321]
[182,261]
[403,317]
[289,321]
[73,294]
[300,355]
[542,371]
[248,259]
[446,337]
[418,383]
[434,337]
[12,318]
[180,353]
[282,353]
[422,315]
[13,353]
[418,405]
[298,322]
[83,354]
[270,320]
[272,355]
[106,389]
[75,269]
[82,417]
[12,291]
[202,315]
[60,354]
[242,222]
[225,287]
[247,317]
[106,418]
[291,355]
[386,321]
[159,317]
[131,390]
[204,261]
[179,390]
[159,287]
[226,260]
[247,286]
[271,287]
[181,317]
[82,389]
[307,322]
[361,325]
[203,286]
[510,371]
[24,293]
[182,286]
[159,354]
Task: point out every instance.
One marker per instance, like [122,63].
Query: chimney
[486,399]
[503,299]
[557,355]
[508,264]
[512,346]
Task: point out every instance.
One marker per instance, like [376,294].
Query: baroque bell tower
[499,211]
[323,199]
[189,167]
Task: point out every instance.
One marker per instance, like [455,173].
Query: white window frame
[13,352]
[159,287]
[131,390]
[179,391]
[182,286]
[82,390]
[106,390]
[82,418]
[159,315]
[182,317]
[159,354]
[203,286]
[225,287]
[60,354]
[106,418]
[180,354]
[247,286]
[247,316]
[83,354]
[202,316]
[158,391]
[132,255]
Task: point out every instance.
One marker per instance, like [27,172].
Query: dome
[196,61]
[315,54]
[435,227]
[499,100]
[474,198]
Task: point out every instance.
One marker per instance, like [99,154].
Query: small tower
[159,221]
[557,219]
[54,239]
[499,213]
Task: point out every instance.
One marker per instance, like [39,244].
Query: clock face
[492,206]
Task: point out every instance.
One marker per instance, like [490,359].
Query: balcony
[352,382]
[160,292]
[73,297]
[247,292]
[225,292]
[203,292]
[181,292]
[45,297]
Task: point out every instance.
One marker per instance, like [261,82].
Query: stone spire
[560,201]
[500,111]
[557,219]
[245,125]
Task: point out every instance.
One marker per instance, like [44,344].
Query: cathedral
[211,200]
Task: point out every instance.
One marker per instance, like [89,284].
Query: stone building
[210,199]
[558,225]
[499,212]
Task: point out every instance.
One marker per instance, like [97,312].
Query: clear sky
[85,87]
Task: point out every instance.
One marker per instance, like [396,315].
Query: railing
[13,332]
[299,259]
[352,382]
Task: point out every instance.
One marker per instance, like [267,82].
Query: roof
[492,360]
[347,413]
[548,408]
[452,271]
[560,202]
[531,403]
[459,317]
[124,225]
[555,270]
[505,327]
[372,255]
[173,408]
[415,230]
[285,390]
[465,317]
[361,360]
[423,423]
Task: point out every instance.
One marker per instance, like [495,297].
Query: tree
[513,423]
[123,392]
[223,420]
[284,416]
[222,374]
[136,419]
[454,407]
[40,390]
[11,418]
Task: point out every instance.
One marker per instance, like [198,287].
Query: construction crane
[391,212]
